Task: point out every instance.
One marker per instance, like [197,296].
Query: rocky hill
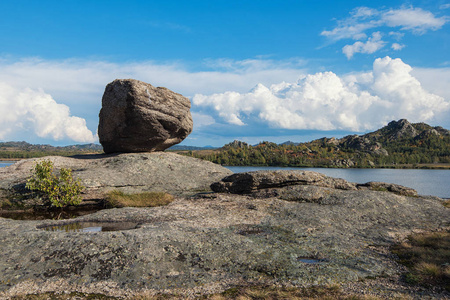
[396,133]
[398,143]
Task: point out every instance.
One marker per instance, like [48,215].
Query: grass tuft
[148,199]
[427,257]
[272,292]
[447,203]
[67,296]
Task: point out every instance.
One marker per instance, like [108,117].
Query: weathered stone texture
[138,117]
[242,183]
[249,182]
[128,172]
[215,241]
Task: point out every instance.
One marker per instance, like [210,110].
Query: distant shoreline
[437,166]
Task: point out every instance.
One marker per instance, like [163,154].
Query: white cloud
[444,6]
[435,80]
[89,78]
[417,20]
[363,19]
[372,45]
[360,20]
[397,35]
[325,101]
[201,120]
[397,46]
[28,110]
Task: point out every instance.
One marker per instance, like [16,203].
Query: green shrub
[59,190]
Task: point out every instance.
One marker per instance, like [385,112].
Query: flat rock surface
[130,172]
[213,241]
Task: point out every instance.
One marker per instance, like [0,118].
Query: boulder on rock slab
[138,117]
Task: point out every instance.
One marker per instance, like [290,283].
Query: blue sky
[254,70]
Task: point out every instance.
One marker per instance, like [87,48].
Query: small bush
[148,199]
[59,190]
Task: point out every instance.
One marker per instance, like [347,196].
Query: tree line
[435,149]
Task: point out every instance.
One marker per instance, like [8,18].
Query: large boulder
[138,117]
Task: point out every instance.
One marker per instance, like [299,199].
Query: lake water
[426,182]
[6,163]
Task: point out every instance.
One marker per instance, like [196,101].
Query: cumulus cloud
[372,45]
[29,111]
[362,19]
[325,101]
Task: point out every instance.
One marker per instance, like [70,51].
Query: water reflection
[91,227]
[57,214]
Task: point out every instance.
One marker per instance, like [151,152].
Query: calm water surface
[6,163]
[426,182]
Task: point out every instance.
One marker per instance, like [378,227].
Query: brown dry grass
[147,199]
[427,256]
[261,292]
[69,296]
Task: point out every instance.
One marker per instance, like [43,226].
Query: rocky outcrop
[212,242]
[128,172]
[397,131]
[244,183]
[362,143]
[264,183]
[401,129]
[237,144]
[389,187]
[137,117]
